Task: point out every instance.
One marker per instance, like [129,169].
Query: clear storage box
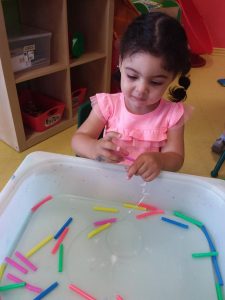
[29,48]
[136,259]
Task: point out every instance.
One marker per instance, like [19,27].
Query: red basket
[39,111]
[78,97]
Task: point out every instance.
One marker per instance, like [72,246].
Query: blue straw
[174,222]
[46,291]
[58,233]
[214,258]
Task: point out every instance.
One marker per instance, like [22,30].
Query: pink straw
[102,222]
[118,297]
[59,241]
[130,158]
[25,261]
[149,213]
[80,292]
[35,207]
[16,265]
[148,206]
[27,286]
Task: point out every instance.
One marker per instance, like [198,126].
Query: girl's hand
[147,165]
[107,149]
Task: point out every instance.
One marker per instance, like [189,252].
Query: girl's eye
[132,77]
[156,83]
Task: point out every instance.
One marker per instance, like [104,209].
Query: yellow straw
[106,209]
[2,270]
[39,245]
[130,205]
[98,230]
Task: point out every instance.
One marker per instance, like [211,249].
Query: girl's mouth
[138,99]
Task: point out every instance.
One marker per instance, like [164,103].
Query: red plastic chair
[197,32]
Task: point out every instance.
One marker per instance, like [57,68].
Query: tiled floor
[205,125]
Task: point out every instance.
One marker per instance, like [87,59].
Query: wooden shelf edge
[39,72]
[37,137]
[86,58]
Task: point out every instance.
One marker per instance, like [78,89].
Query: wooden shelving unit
[94,19]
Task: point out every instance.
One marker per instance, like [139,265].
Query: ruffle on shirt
[155,135]
[101,113]
[168,116]
[188,111]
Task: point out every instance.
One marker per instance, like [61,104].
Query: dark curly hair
[162,36]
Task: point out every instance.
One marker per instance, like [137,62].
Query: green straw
[12,286]
[219,291]
[60,266]
[205,254]
[191,220]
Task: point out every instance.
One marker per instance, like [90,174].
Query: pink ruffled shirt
[139,133]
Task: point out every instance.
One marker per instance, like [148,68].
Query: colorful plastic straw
[210,242]
[133,206]
[59,232]
[149,213]
[16,265]
[35,207]
[12,286]
[27,286]
[46,291]
[98,230]
[102,222]
[148,206]
[186,218]
[174,222]
[59,241]
[2,270]
[118,297]
[60,262]
[204,254]
[130,158]
[106,209]
[39,246]
[219,291]
[81,292]
[25,261]
[214,258]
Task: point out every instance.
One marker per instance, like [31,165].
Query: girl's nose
[142,87]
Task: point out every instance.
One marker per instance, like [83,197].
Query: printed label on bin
[29,48]
[52,120]
[20,62]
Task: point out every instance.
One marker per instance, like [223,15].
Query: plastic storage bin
[40,111]
[29,48]
[137,259]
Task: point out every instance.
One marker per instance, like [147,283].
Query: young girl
[141,129]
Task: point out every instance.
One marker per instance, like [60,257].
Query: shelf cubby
[63,18]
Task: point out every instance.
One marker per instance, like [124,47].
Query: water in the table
[137,259]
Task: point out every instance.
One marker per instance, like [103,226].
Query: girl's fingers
[112,134]
[110,146]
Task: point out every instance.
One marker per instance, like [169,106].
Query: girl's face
[143,81]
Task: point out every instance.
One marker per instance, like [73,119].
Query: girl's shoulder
[172,112]
[170,106]
[108,96]
[107,103]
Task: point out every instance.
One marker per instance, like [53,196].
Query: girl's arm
[148,165]
[85,141]
[173,152]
